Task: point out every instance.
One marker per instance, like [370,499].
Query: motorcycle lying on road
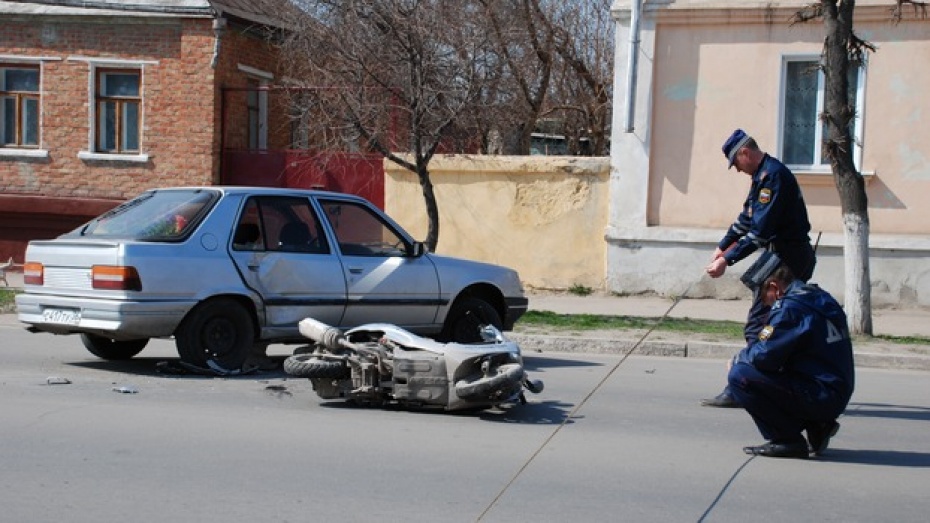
[379,364]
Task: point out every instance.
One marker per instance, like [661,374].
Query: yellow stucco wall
[715,76]
[543,216]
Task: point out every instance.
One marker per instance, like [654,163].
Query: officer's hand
[717,267]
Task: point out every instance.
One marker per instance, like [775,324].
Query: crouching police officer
[799,375]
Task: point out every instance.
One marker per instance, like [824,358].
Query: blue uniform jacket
[774,216]
[806,337]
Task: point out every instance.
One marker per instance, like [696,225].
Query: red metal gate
[361,174]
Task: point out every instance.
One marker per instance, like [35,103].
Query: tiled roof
[268,12]
[275,13]
[178,7]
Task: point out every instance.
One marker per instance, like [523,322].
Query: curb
[530,343]
[597,345]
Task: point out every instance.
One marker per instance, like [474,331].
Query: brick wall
[177,100]
[248,49]
[181,114]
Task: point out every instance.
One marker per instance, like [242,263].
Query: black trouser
[782,405]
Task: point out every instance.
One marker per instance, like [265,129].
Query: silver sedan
[222,269]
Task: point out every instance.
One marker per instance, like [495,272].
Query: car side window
[283,224]
[361,232]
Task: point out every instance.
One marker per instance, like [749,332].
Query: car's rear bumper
[516,307]
[117,319]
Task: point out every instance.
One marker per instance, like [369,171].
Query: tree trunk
[858,284]
[432,208]
[838,147]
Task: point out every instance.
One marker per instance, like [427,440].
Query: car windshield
[158,215]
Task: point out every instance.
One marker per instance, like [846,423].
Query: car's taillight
[33,273]
[115,277]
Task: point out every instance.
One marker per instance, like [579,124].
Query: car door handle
[355,270]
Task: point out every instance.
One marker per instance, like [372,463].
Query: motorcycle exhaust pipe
[330,337]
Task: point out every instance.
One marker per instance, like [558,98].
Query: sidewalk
[869,352]
[885,321]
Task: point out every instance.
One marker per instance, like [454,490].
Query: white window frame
[264,79]
[821,168]
[103,63]
[29,152]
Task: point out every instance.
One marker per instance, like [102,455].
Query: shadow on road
[541,413]
[169,368]
[893,458]
[885,410]
[533,362]
[532,413]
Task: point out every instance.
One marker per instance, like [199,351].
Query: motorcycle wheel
[506,378]
[311,366]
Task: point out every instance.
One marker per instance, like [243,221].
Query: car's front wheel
[112,349]
[219,331]
[465,319]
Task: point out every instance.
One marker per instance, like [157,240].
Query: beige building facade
[701,69]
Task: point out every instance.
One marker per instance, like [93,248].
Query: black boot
[723,400]
[819,434]
[781,449]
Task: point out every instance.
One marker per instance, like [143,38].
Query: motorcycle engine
[420,377]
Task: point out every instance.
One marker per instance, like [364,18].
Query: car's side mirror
[416,250]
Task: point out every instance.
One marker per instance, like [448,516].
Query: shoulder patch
[766,332]
[765,195]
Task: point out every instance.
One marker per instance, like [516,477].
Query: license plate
[62,316]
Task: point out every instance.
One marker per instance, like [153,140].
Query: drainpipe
[632,64]
[219,25]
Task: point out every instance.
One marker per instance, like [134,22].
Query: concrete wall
[707,67]
[543,216]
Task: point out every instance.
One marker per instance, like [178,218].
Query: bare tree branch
[920,9]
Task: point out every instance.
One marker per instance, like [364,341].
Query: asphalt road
[264,448]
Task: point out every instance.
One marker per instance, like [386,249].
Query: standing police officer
[799,375]
[774,218]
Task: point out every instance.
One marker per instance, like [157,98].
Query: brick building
[100,100]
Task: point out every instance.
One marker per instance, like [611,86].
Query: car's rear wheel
[465,318]
[220,331]
[112,349]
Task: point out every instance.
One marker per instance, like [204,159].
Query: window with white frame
[257,108]
[19,106]
[256,105]
[118,105]
[802,101]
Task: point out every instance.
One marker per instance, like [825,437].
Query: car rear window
[158,215]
